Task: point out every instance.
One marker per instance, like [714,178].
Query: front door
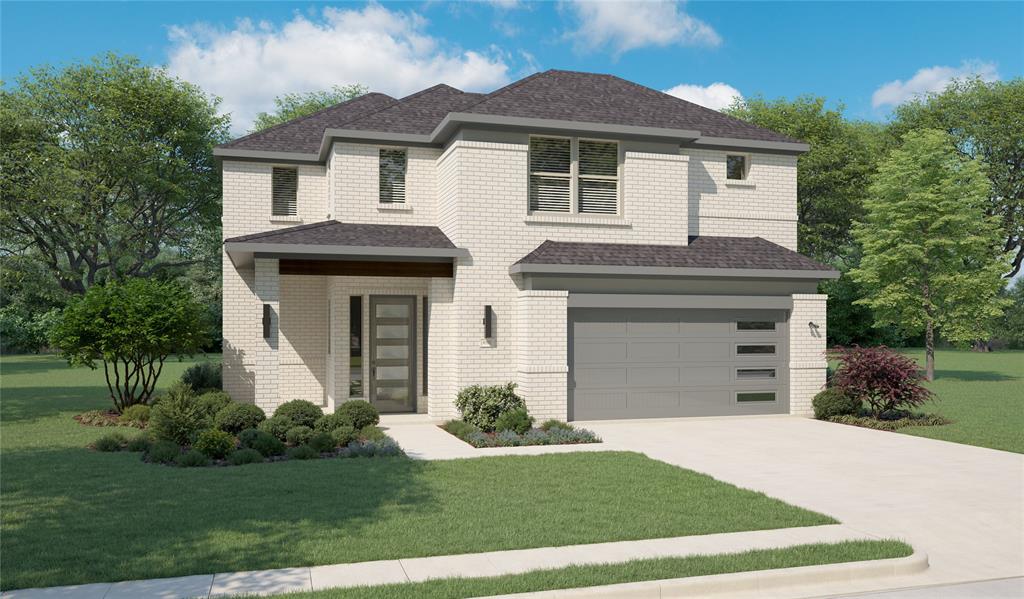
[393,353]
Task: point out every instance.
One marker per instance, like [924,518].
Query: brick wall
[807,361]
[355,174]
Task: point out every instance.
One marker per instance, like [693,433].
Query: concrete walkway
[494,563]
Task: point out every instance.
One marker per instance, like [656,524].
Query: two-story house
[615,251]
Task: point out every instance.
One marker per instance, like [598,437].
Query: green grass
[646,569]
[982,393]
[70,515]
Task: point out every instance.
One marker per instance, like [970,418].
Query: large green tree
[107,171]
[292,106]
[932,261]
[832,177]
[985,121]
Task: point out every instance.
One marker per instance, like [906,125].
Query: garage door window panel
[746,374]
[755,349]
[755,397]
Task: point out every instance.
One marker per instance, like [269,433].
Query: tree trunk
[929,351]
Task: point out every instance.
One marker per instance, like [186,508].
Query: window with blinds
[563,170]
[598,191]
[392,176]
[285,191]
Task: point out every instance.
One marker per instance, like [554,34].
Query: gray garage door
[659,363]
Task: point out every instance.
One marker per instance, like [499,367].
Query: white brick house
[614,251]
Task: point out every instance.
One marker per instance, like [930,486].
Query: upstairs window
[550,174]
[574,175]
[736,167]
[392,176]
[285,191]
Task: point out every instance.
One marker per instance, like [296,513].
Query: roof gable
[418,113]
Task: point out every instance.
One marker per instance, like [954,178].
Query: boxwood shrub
[192,458]
[268,445]
[358,414]
[236,417]
[245,456]
[214,401]
[517,421]
[203,376]
[163,452]
[302,452]
[300,412]
[298,435]
[277,426]
[343,435]
[214,443]
[834,402]
[322,442]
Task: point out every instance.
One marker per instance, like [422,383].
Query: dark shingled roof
[304,134]
[332,232]
[702,252]
[595,98]
[561,95]
[418,113]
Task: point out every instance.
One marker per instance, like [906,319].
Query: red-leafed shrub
[884,379]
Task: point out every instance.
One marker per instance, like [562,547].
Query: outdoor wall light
[266,321]
[488,322]
[813,325]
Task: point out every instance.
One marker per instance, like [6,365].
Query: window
[550,173]
[574,175]
[426,340]
[755,373]
[392,176]
[285,191]
[355,355]
[736,167]
[748,350]
[752,396]
[755,325]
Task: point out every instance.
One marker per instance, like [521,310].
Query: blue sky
[870,56]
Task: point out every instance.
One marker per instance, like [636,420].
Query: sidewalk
[496,563]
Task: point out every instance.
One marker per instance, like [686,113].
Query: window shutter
[550,172]
[392,176]
[599,177]
[285,191]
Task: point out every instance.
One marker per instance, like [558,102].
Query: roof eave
[265,155]
[454,120]
[243,252]
[672,271]
[730,143]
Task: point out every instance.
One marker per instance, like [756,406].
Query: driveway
[963,505]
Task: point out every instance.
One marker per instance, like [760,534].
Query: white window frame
[747,162]
[574,176]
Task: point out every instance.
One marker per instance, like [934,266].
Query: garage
[644,362]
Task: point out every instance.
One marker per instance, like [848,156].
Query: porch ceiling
[335,240]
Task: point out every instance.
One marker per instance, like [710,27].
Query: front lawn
[982,393]
[634,571]
[71,515]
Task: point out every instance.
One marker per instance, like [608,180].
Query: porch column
[442,349]
[807,361]
[268,365]
[543,356]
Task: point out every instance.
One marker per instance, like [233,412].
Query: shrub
[329,422]
[371,433]
[300,412]
[163,452]
[883,378]
[507,438]
[343,435]
[358,414]
[891,424]
[245,456]
[98,418]
[459,428]
[214,401]
[479,439]
[536,436]
[192,458]
[517,421]
[322,442]
[236,417]
[178,416]
[481,406]
[277,426]
[834,402]
[139,443]
[384,448]
[302,452]
[268,445]
[109,442]
[215,443]
[298,435]
[202,376]
[550,424]
[137,415]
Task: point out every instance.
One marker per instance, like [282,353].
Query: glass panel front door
[393,353]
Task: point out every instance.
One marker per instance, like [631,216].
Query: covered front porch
[347,311]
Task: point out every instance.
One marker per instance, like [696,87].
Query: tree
[132,327]
[986,122]
[105,166]
[292,106]
[1010,328]
[832,177]
[932,260]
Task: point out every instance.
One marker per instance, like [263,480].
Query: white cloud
[931,79]
[386,50]
[624,26]
[715,96]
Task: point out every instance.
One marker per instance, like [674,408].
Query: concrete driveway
[963,505]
